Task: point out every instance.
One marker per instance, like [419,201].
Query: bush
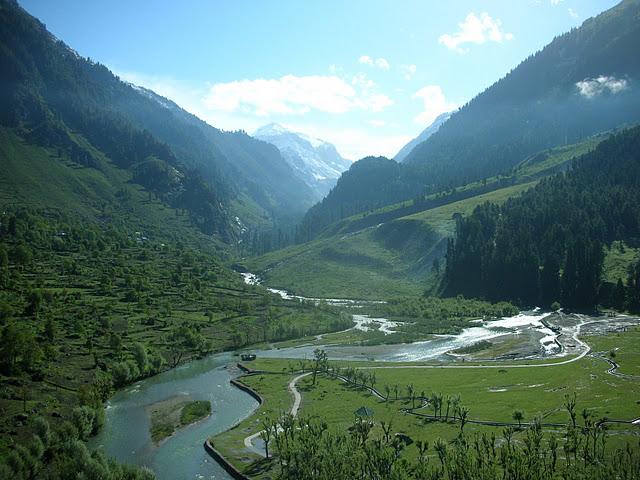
[83,418]
[42,429]
[121,374]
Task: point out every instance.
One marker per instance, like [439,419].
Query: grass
[173,413]
[618,257]
[194,411]
[389,260]
[490,394]
[277,399]
[442,218]
[362,257]
[476,347]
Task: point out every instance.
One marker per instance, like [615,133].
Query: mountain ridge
[583,82]
[422,137]
[51,89]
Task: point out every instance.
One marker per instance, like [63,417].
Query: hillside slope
[547,246]
[399,249]
[49,91]
[583,82]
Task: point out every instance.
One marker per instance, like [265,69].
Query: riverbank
[492,393]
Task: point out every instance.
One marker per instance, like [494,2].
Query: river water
[126,437]
[126,434]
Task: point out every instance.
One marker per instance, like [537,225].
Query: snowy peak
[270,130]
[315,161]
[424,135]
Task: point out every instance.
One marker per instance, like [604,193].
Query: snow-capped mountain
[426,133]
[314,161]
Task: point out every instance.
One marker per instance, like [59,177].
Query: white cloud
[475,29]
[353,143]
[361,80]
[592,87]
[572,12]
[435,103]
[408,71]
[555,2]
[381,63]
[377,123]
[366,60]
[292,95]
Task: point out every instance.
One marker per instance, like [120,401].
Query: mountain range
[314,161]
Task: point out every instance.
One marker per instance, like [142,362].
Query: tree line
[546,246]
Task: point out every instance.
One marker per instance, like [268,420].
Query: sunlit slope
[381,261]
[391,251]
[537,166]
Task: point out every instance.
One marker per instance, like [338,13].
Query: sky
[366,76]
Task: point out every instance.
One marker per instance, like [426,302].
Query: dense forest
[546,246]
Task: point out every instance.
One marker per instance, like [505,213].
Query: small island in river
[176,412]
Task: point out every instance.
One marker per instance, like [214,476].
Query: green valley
[212,267]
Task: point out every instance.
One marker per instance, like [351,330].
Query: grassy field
[490,394]
[173,413]
[442,219]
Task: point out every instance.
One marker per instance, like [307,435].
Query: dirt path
[297,400]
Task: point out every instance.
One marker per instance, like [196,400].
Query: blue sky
[365,75]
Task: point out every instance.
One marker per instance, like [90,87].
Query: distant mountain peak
[270,129]
[315,161]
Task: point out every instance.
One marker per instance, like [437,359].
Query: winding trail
[297,400]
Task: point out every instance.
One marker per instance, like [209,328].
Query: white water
[253,279]
[365,323]
[522,323]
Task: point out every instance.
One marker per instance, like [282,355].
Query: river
[126,437]
[126,434]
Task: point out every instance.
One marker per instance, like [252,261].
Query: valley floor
[605,376]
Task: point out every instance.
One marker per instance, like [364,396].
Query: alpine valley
[179,300]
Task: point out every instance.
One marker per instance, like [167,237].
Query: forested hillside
[52,97]
[87,307]
[584,82]
[547,245]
